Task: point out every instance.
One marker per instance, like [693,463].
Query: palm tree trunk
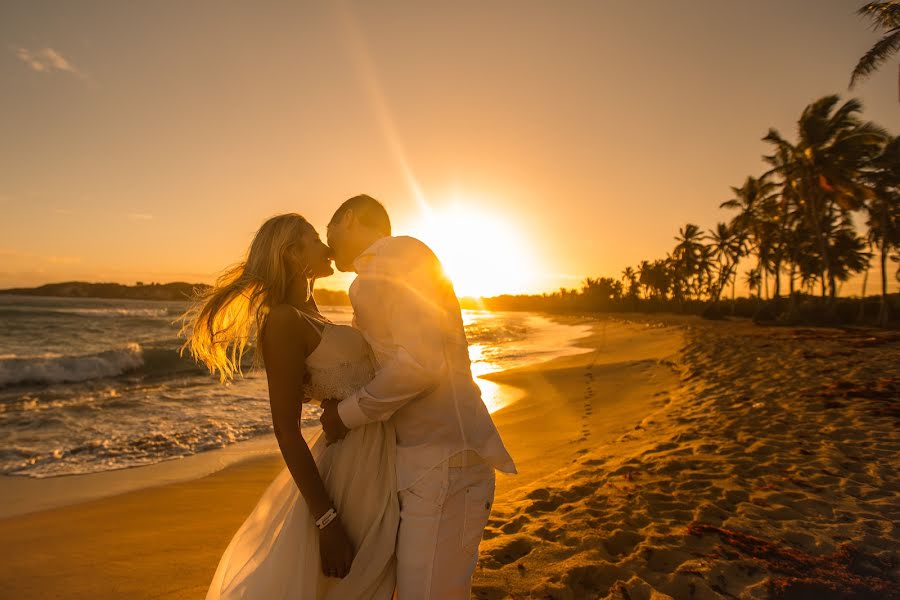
[792,303]
[821,238]
[733,285]
[883,312]
[791,275]
[777,283]
[862,305]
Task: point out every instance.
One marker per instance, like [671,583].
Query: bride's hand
[335,550]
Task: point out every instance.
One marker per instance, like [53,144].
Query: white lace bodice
[341,363]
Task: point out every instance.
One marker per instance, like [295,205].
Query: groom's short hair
[368,210]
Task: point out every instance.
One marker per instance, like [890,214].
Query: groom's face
[340,236]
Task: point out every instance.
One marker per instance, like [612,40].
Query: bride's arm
[285,346]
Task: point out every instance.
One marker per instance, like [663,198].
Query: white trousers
[442,519]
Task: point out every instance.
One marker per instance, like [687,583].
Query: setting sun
[483,255]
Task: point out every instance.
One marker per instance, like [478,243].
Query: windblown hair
[225,318]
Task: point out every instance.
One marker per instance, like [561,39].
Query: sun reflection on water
[495,396]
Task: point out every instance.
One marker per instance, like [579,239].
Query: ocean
[91,385]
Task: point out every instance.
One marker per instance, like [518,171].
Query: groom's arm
[417,320]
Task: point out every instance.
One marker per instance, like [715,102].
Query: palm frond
[883,49]
[845,116]
[883,14]
[774,136]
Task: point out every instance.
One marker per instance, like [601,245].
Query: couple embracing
[393,494]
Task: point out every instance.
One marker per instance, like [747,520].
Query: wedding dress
[275,553]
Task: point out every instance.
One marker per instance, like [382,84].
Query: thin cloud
[15,255]
[64,260]
[48,60]
[140,217]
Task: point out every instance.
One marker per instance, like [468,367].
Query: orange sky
[147,141]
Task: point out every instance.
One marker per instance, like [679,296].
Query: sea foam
[16,370]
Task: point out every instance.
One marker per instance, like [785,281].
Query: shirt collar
[369,252]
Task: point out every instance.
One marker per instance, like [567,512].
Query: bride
[327,525]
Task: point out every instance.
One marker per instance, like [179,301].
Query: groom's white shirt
[405,306]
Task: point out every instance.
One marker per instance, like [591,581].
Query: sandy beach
[770,471]
[673,458]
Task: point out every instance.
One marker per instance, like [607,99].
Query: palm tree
[753,280]
[597,292]
[629,277]
[823,170]
[779,218]
[884,16]
[809,264]
[747,224]
[747,198]
[861,315]
[883,211]
[849,253]
[727,248]
[657,277]
[643,277]
[688,259]
[705,265]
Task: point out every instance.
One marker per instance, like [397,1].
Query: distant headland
[178,290]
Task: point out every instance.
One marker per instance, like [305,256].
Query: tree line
[795,223]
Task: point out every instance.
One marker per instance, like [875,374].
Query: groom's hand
[332,425]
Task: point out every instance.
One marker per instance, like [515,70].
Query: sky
[532,143]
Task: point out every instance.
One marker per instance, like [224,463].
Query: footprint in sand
[622,542]
[511,551]
[541,505]
[547,534]
[489,592]
[516,524]
[594,579]
[588,407]
[538,494]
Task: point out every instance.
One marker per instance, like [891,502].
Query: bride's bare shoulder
[285,326]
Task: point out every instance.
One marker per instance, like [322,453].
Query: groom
[447,445]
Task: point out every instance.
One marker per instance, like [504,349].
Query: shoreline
[570,404]
[24,495]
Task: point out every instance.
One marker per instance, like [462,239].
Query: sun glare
[483,255]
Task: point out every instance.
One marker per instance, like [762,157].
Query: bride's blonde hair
[225,318]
